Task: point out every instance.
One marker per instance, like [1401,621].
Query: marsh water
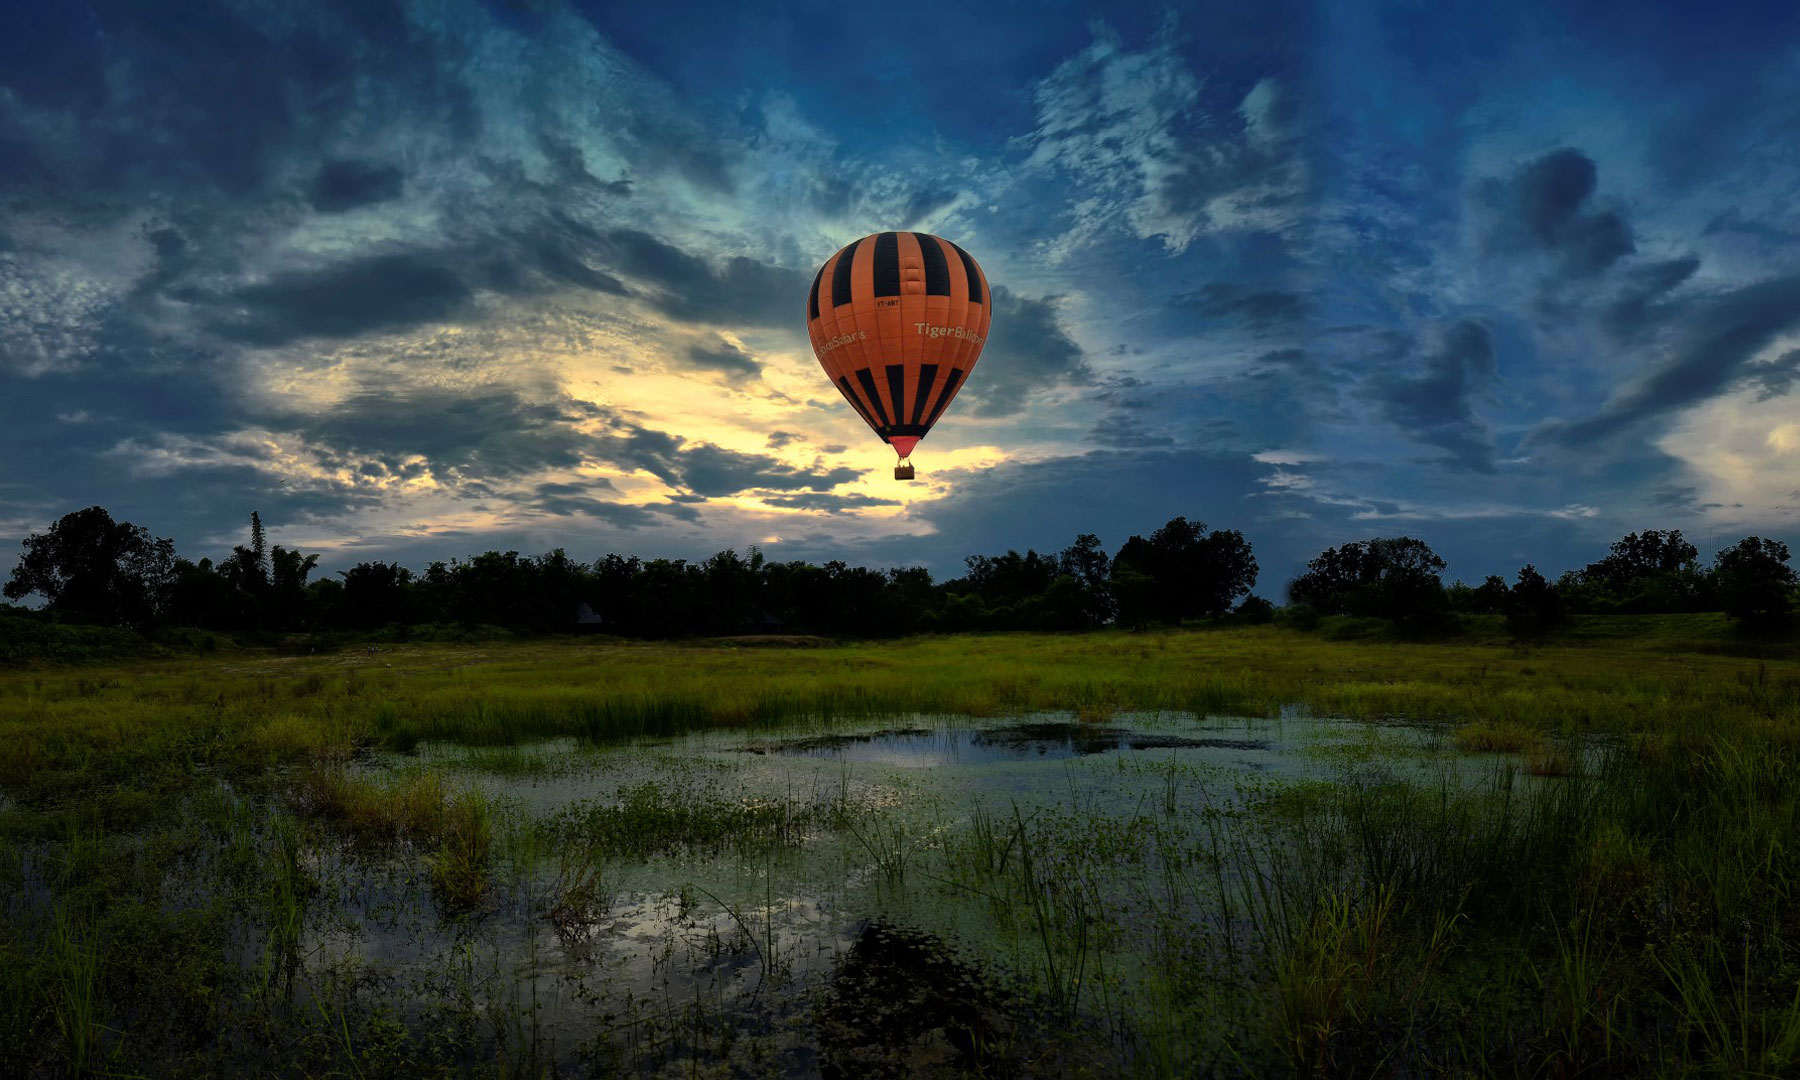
[884,899]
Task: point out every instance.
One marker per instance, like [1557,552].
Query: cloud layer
[415,280]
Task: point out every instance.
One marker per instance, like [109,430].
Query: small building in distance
[587,620]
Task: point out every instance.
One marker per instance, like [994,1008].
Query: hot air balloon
[897,320]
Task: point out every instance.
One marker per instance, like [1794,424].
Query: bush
[1255,611]
[1298,617]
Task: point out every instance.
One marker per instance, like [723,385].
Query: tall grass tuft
[460,865]
[289,886]
[74,969]
[411,804]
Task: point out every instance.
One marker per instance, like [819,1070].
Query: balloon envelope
[897,320]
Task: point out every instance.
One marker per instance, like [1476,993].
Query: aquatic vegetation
[1500,737]
[459,866]
[654,818]
[414,804]
[74,964]
[289,886]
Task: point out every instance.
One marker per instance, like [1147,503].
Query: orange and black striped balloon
[897,320]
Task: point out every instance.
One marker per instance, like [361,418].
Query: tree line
[1654,571]
[89,568]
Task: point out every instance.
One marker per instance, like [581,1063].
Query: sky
[420,280]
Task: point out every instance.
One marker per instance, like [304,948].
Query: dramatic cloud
[1639,307]
[558,251]
[51,311]
[569,500]
[828,503]
[1027,351]
[475,435]
[1775,378]
[418,279]
[736,292]
[1046,504]
[924,204]
[1258,309]
[1434,406]
[706,470]
[726,359]
[1130,127]
[710,470]
[1714,351]
[380,292]
[345,185]
[1546,206]
[1124,431]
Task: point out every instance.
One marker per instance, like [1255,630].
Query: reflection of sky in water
[678,927]
[921,748]
[956,757]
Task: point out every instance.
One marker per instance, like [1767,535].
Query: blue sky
[420,280]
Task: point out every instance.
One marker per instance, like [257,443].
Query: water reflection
[926,747]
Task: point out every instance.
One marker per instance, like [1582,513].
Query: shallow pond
[757,899]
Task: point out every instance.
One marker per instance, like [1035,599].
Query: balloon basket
[903,472]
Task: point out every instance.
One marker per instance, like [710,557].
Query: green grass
[1622,898]
[245,709]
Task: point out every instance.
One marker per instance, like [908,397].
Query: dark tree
[374,595]
[258,550]
[1753,583]
[961,612]
[731,587]
[799,594]
[1653,570]
[1136,595]
[288,602]
[200,596]
[615,592]
[1064,605]
[1193,573]
[1006,580]
[247,568]
[671,599]
[1225,572]
[1085,562]
[1492,597]
[1387,577]
[858,600]
[90,568]
[1338,580]
[909,598]
[1533,605]
[1640,555]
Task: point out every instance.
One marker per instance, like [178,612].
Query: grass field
[1326,854]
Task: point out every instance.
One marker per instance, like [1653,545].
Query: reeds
[289,886]
[412,804]
[459,866]
[74,967]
